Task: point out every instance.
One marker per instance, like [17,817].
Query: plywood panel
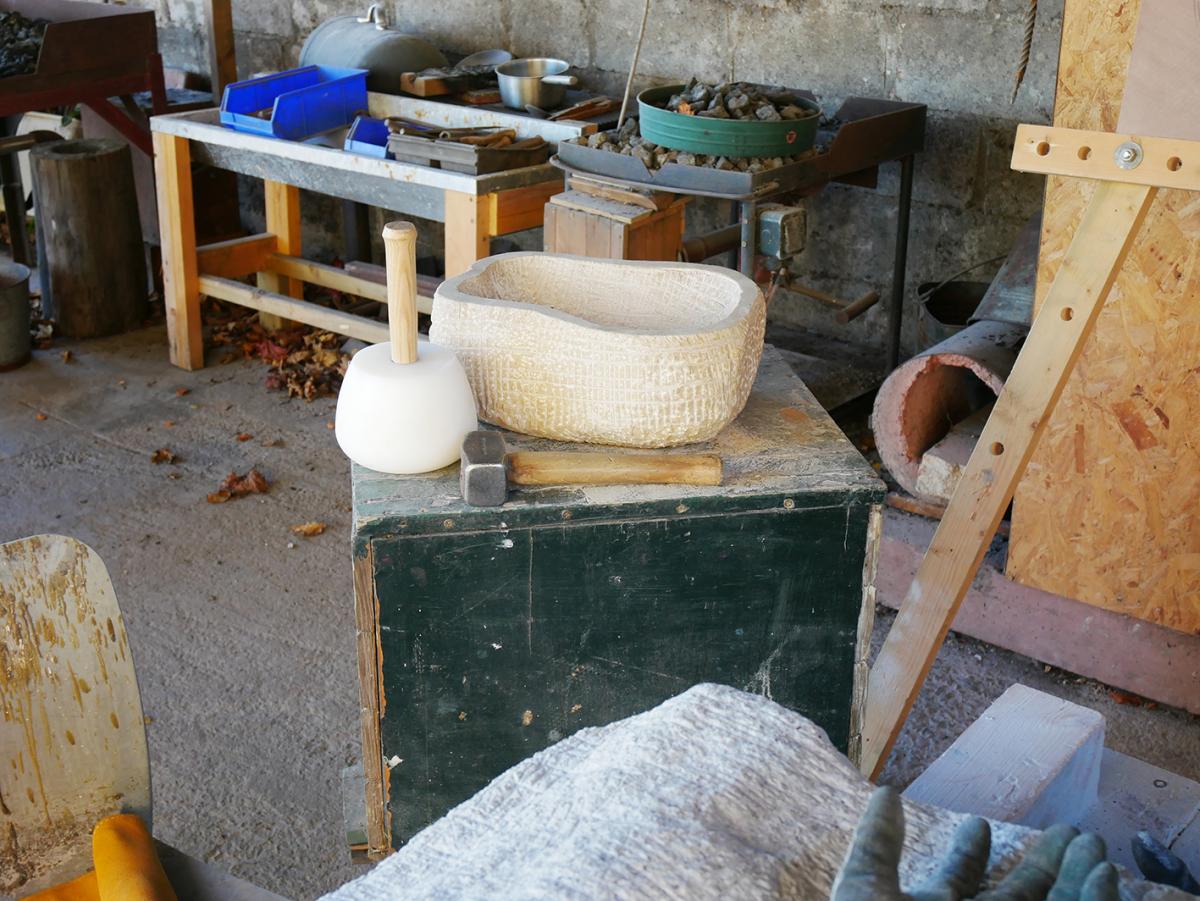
[1107,511]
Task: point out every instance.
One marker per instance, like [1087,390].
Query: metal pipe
[900,266]
[702,247]
[748,213]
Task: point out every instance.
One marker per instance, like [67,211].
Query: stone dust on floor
[243,632]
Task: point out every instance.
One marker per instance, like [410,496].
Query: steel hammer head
[483,473]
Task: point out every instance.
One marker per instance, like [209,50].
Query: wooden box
[487,634]
[589,226]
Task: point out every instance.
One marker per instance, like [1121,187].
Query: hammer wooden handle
[400,255]
[549,468]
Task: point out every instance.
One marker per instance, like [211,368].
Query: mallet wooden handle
[400,255]
[549,468]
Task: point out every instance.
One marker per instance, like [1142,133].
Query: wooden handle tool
[552,468]
[487,469]
[400,257]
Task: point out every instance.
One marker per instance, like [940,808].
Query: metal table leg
[747,211]
[900,265]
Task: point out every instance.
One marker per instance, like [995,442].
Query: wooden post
[177,228]
[93,262]
[1088,271]
[222,53]
[469,229]
[283,221]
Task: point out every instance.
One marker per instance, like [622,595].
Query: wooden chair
[72,737]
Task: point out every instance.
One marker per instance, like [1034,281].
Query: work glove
[1063,865]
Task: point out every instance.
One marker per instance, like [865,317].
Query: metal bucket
[15,340]
[945,308]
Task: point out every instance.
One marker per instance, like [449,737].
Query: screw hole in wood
[997,448]
[1085,152]
[1043,148]
[1067,314]
[1174,163]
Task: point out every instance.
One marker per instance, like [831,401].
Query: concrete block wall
[956,56]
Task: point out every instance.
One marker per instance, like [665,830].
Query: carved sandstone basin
[642,354]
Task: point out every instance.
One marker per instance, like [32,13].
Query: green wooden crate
[487,634]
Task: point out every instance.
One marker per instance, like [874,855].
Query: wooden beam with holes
[1157,162]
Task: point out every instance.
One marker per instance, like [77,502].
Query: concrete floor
[243,633]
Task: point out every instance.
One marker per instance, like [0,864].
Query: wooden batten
[236,258]
[289,308]
[336,279]
[1108,510]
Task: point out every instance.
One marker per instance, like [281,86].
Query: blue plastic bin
[303,102]
[368,136]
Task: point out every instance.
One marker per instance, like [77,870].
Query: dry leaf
[163,455]
[41,417]
[305,362]
[180,392]
[274,442]
[309,529]
[244,436]
[253,482]
[1125,697]
[67,356]
[527,718]
[330,426]
[168,423]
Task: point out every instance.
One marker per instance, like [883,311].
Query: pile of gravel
[629,142]
[736,100]
[20,43]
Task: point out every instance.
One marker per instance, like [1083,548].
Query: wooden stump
[90,253]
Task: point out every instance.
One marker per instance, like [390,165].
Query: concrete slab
[1136,795]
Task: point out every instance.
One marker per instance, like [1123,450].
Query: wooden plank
[617,210]
[1030,758]
[469,232]
[177,228]
[1093,261]
[1109,510]
[237,257]
[327,276]
[222,54]
[282,204]
[1118,650]
[299,310]
[458,116]
[651,200]
[340,280]
[72,734]
[521,208]
[371,703]
[1085,153]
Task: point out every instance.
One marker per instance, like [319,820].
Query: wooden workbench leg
[177,229]
[470,225]
[283,221]
[1088,271]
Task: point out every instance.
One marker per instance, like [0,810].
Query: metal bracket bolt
[1129,155]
